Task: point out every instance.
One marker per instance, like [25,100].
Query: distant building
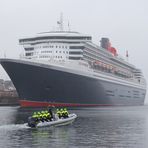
[2,87]
[6,85]
[9,85]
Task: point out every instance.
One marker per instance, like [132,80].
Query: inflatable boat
[55,122]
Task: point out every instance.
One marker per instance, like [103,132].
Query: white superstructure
[58,45]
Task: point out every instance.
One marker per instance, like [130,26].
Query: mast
[127,55]
[60,23]
[68,26]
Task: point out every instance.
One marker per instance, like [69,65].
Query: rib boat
[55,122]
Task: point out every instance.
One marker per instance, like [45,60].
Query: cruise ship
[65,68]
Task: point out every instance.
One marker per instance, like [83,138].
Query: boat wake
[10,127]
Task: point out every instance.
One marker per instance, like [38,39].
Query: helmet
[39,113]
[46,111]
[42,112]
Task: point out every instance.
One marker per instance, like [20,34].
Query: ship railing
[71,64]
[78,64]
[131,79]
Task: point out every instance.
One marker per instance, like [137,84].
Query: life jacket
[59,113]
[34,116]
[62,113]
[44,115]
[41,116]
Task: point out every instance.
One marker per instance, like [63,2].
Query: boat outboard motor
[31,122]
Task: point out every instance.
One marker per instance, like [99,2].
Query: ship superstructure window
[76,47]
[73,52]
[75,58]
[29,49]
[44,56]
[51,46]
[29,54]
[55,37]
[46,51]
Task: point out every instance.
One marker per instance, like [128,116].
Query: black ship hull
[38,85]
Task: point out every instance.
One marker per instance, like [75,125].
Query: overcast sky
[125,22]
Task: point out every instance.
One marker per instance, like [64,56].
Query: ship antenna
[4,54]
[127,55]
[68,26]
[60,23]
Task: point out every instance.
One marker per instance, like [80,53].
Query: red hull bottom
[26,103]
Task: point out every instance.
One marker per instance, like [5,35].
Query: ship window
[71,52]
[28,49]
[28,54]
[56,37]
[76,47]
[75,58]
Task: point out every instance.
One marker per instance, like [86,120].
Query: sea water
[105,127]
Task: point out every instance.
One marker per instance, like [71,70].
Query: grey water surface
[105,127]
